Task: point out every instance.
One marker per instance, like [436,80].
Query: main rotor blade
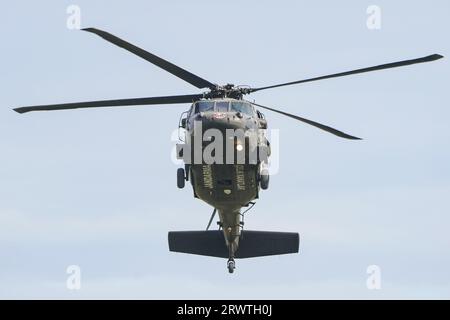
[312,123]
[347,73]
[163,64]
[113,103]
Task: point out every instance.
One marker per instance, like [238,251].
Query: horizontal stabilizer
[251,244]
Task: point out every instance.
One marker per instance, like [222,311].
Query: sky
[97,188]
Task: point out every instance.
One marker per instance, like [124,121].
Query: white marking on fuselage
[207,176]
[240,177]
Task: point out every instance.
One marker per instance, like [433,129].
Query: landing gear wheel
[264,179]
[231,266]
[181,178]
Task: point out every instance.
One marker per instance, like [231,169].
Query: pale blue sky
[96,188]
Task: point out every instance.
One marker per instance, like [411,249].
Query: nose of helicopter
[224,120]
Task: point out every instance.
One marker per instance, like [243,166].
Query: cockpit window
[222,106]
[242,107]
[204,106]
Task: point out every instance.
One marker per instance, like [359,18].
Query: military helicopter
[228,186]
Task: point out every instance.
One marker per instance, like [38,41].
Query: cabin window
[242,107]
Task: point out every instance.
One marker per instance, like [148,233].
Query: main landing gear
[264,179]
[181,178]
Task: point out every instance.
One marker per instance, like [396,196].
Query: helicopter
[231,177]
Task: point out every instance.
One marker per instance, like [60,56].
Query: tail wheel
[231,266]
[181,178]
[264,179]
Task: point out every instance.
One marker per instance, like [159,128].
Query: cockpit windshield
[204,106]
[242,107]
[224,106]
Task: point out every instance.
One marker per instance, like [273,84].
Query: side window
[189,115]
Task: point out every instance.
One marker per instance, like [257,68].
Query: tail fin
[252,243]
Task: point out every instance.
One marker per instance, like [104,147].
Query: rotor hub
[228,91]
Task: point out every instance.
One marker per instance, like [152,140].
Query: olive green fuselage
[226,186]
